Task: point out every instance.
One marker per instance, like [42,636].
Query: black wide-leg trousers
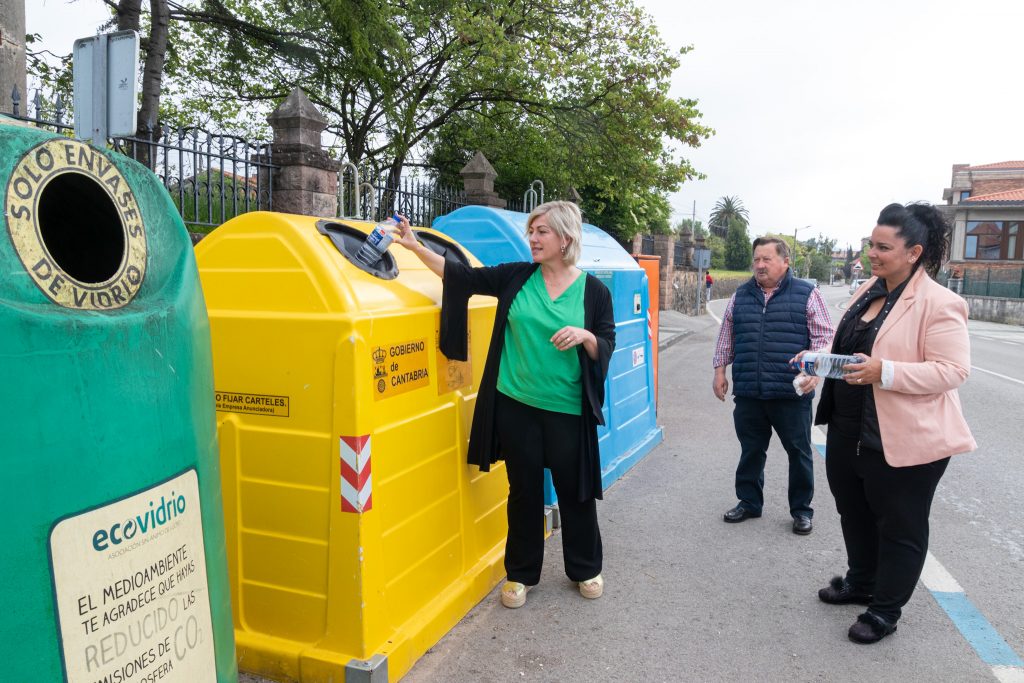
[884,513]
[532,439]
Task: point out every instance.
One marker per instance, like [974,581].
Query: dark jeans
[884,513]
[755,419]
[532,439]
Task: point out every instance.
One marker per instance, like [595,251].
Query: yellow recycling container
[357,535]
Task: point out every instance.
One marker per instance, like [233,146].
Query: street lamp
[795,230]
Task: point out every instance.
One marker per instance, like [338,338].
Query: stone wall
[996,310]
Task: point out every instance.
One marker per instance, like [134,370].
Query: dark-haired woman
[894,420]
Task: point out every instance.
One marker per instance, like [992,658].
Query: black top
[504,282]
[850,408]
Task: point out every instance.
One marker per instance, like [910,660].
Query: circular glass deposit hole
[81,228]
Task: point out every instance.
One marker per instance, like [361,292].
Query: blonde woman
[539,401]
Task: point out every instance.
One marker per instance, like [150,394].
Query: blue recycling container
[630,431]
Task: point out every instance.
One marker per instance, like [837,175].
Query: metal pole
[98,134]
[700,278]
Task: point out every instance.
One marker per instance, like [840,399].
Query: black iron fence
[418,199]
[209,176]
[680,254]
[212,177]
[1000,282]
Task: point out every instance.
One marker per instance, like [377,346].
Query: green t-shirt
[532,370]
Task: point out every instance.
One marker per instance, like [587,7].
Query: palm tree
[727,209]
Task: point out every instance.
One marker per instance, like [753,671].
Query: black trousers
[532,439]
[884,513]
[754,419]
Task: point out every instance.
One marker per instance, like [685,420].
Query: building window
[984,239]
[964,194]
[994,240]
[1014,243]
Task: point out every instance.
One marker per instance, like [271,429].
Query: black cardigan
[504,282]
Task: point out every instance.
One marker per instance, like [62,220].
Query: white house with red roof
[985,204]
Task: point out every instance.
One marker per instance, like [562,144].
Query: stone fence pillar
[686,239]
[12,55]
[478,178]
[306,180]
[665,247]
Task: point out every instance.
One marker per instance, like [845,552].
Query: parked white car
[855,285]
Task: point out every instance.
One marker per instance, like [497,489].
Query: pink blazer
[925,335]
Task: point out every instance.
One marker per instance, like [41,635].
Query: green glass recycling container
[114,564]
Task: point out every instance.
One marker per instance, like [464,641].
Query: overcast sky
[824,111]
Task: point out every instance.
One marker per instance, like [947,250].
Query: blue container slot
[497,236]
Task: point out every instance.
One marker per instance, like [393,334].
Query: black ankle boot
[840,592]
[870,628]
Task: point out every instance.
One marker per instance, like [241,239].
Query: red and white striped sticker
[356,484]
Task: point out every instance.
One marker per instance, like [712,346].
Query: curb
[674,339]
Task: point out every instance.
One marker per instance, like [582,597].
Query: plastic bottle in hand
[378,241]
[825,364]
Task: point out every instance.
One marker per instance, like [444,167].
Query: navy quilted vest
[766,337]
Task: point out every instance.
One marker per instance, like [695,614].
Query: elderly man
[771,317]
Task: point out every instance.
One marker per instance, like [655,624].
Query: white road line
[996,374]
[817,435]
[936,578]
[1008,674]
[712,314]
[987,643]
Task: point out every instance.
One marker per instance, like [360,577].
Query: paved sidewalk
[675,327]
[688,597]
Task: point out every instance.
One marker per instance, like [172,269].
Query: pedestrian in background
[769,319]
[539,401]
[894,420]
[708,281]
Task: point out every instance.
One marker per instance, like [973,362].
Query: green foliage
[818,257]
[737,246]
[210,198]
[726,210]
[717,246]
[54,75]
[576,98]
[866,264]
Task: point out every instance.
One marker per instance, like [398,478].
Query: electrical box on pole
[106,85]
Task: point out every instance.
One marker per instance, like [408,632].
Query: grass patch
[728,274]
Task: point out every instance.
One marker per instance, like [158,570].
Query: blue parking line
[975,628]
[821,449]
